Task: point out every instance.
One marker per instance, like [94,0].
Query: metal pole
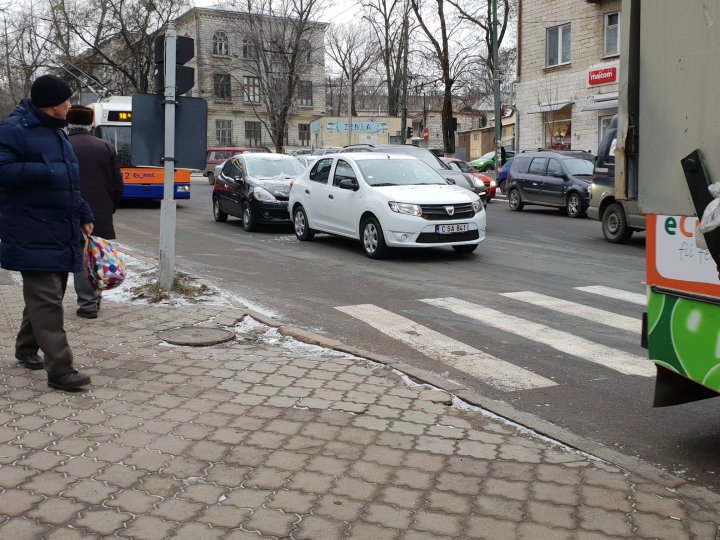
[496,86]
[168,205]
[350,101]
[403,120]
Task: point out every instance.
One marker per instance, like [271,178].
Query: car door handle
[330,197]
[307,191]
[536,183]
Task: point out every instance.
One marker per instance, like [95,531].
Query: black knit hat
[80,116]
[48,91]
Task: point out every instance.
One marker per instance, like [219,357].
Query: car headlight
[405,208]
[493,183]
[477,182]
[262,194]
[477,206]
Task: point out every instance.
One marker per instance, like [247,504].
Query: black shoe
[87,314]
[69,381]
[31,361]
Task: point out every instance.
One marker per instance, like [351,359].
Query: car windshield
[579,167]
[398,172]
[269,167]
[464,167]
[419,153]
[489,155]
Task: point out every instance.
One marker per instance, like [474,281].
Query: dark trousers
[42,322]
[88,298]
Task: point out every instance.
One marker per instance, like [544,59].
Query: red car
[464,166]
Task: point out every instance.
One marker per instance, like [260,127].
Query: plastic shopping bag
[711,217]
[104,264]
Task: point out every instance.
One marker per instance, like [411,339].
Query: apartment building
[224,76]
[568,64]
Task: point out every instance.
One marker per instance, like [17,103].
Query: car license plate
[450,229]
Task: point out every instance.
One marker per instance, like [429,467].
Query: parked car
[486,162]
[551,178]
[300,152]
[218,155]
[255,188]
[307,160]
[620,217]
[464,166]
[502,175]
[452,176]
[325,150]
[385,200]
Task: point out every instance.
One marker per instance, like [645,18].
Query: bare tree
[24,40]
[282,42]
[450,53]
[354,51]
[387,18]
[112,40]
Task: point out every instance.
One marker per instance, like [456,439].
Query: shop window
[558,129]
[558,45]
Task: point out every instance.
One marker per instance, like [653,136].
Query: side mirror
[238,177]
[349,183]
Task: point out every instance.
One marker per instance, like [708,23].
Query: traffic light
[184,75]
[409,133]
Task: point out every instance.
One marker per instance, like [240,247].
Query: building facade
[568,64]
[225,76]
[427,128]
[333,130]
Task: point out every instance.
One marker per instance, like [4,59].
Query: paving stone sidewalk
[262,438]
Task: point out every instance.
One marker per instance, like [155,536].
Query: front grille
[438,212]
[434,238]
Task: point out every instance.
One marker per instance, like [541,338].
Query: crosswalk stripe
[489,369]
[616,294]
[599,316]
[620,361]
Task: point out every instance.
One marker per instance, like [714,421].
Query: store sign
[602,76]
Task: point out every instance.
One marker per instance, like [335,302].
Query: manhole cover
[196,336]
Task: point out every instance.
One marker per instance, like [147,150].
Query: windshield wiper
[384,184]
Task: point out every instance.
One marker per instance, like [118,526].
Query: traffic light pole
[496,87]
[168,206]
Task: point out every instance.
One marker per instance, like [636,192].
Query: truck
[112,121]
[667,153]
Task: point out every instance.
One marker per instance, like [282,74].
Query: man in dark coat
[42,218]
[101,186]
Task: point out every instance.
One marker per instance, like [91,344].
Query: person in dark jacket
[42,218]
[101,185]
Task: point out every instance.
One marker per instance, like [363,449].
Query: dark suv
[551,178]
[451,176]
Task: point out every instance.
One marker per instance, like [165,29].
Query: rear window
[520,164]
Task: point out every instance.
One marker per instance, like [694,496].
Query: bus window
[119,138]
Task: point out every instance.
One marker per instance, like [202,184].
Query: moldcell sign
[602,76]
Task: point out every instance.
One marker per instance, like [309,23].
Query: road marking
[487,368]
[615,359]
[600,316]
[617,294]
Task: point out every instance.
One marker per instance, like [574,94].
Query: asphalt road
[537,251]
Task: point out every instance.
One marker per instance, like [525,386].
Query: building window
[248,49]
[612,34]
[304,134]
[222,88]
[476,136]
[558,45]
[558,128]
[251,86]
[253,133]
[223,132]
[305,94]
[220,44]
[304,51]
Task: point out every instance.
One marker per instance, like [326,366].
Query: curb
[634,465]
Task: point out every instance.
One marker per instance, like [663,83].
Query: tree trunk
[447,120]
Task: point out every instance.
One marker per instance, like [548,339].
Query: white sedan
[385,200]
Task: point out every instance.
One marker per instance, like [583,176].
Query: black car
[551,178]
[255,188]
[451,176]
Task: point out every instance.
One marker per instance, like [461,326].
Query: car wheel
[514,200]
[218,214]
[574,206]
[211,178]
[467,248]
[614,224]
[300,222]
[248,220]
[373,240]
